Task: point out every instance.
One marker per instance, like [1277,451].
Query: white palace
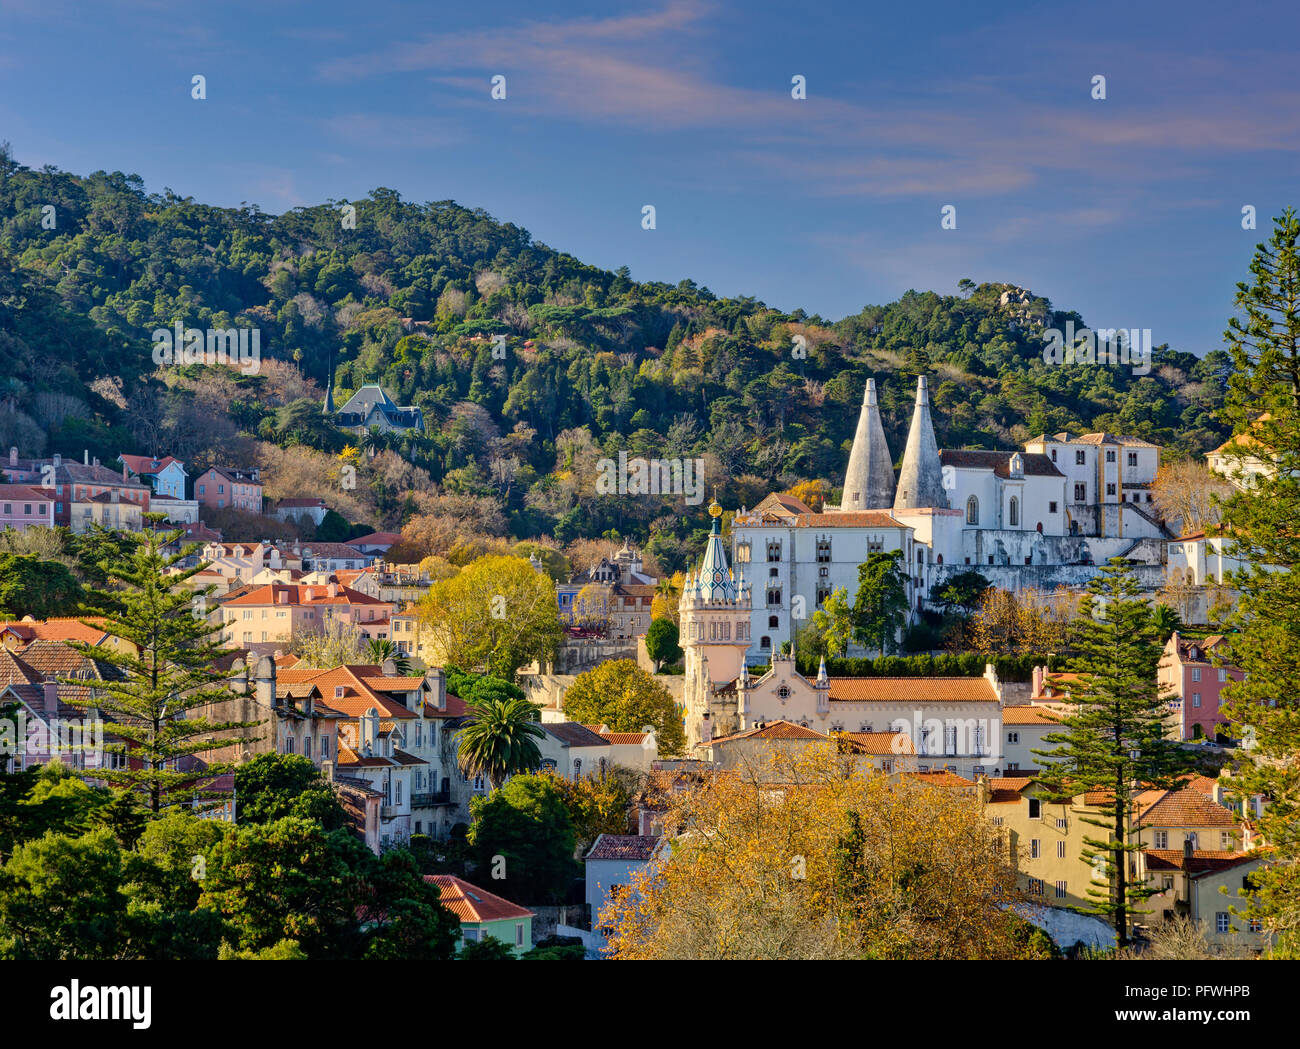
[1039,518]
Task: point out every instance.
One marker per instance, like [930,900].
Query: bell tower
[714,635]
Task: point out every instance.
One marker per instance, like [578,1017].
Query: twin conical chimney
[869,482]
[920,481]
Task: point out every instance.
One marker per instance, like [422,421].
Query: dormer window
[338,691]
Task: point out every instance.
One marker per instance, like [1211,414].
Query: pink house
[220,488]
[22,505]
[1193,683]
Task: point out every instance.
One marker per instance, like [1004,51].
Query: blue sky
[1127,209]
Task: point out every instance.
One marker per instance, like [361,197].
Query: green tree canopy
[626,698]
[880,610]
[527,825]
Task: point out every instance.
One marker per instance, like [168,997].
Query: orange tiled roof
[56,629]
[912,689]
[1185,808]
[624,739]
[357,698]
[882,743]
[773,730]
[1029,715]
[471,904]
[851,519]
[13,671]
[942,778]
[396,684]
[269,594]
[1200,862]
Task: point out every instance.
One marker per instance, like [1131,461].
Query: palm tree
[1166,621]
[380,650]
[499,739]
[373,442]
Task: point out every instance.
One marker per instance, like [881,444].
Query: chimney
[327,771]
[1040,673]
[334,590]
[58,460]
[85,457]
[982,788]
[13,456]
[125,475]
[50,697]
[389,668]
[95,461]
[438,680]
[239,683]
[307,594]
[706,730]
[265,682]
[1187,849]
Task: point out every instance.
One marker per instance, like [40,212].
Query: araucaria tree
[1261,526]
[168,673]
[1114,744]
[880,610]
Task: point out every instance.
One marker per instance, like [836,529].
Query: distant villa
[371,406]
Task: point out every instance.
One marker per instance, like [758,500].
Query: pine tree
[1261,528]
[168,671]
[1114,743]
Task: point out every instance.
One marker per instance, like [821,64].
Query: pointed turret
[920,481]
[869,481]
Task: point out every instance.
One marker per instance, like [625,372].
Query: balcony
[425,801]
[388,812]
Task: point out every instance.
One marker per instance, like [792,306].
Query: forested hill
[594,362]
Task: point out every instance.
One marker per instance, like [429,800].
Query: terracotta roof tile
[773,730]
[1201,861]
[912,689]
[1029,715]
[471,904]
[1185,808]
[882,743]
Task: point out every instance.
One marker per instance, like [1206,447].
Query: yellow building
[1203,885]
[1044,839]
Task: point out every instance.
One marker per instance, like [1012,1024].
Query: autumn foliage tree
[799,856]
[627,699]
[497,612]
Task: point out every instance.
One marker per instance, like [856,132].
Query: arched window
[972,511]
[765,642]
[1013,514]
[774,622]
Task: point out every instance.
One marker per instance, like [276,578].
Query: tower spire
[869,480]
[920,481]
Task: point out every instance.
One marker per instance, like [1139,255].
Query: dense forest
[592,363]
